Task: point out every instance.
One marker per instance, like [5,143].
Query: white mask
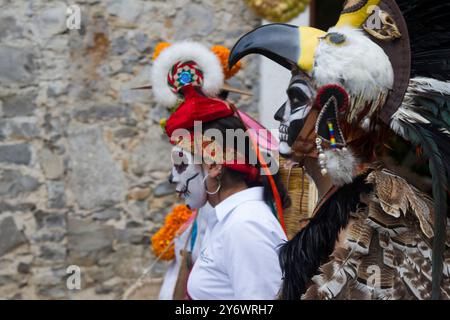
[292,113]
[189,178]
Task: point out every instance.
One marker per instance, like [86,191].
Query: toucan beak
[287,45]
[278,42]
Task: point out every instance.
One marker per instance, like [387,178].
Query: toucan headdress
[392,59]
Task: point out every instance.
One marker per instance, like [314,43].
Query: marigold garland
[223,53]
[162,240]
[159,48]
[220,51]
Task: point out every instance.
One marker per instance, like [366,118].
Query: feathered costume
[377,106]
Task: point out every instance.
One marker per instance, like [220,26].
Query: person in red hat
[213,162]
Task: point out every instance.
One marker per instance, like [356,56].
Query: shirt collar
[228,205]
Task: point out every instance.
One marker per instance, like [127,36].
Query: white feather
[424,85]
[341,165]
[404,114]
[366,124]
[184,51]
[359,65]
[333,287]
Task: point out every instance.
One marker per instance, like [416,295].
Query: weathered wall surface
[83,162]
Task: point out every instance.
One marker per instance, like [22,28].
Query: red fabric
[252,173]
[196,108]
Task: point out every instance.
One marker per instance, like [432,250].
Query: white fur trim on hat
[183,51]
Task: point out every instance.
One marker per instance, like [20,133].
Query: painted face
[293,112]
[189,178]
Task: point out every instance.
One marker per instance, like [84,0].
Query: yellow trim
[356,19]
[309,40]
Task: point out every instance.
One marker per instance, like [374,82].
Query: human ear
[214,170]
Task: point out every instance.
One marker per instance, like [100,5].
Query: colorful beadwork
[332,137]
[184,73]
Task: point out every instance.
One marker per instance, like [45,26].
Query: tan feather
[397,196]
[372,271]
[333,275]
[417,284]
[406,242]
[359,235]
[313,293]
[390,241]
[384,222]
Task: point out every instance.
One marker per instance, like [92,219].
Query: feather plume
[429,30]
[397,197]
[332,278]
[341,165]
[301,257]
[426,137]
[424,120]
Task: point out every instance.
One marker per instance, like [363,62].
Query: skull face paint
[188,177]
[293,112]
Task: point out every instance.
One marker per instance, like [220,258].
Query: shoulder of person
[252,216]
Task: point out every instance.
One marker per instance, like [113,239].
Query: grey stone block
[10,236]
[13,183]
[15,153]
[96,179]
[17,65]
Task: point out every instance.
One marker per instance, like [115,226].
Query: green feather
[436,109]
[421,136]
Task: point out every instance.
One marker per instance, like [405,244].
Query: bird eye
[335,38]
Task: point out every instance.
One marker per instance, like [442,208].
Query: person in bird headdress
[221,156]
[368,117]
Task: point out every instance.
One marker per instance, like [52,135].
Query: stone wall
[83,162]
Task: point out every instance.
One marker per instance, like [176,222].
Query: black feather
[429,30]
[301,257]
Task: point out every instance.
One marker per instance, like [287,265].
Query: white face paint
[189,178]
[292,113]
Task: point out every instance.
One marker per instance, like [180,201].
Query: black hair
[232,176]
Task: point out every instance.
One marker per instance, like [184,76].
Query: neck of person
[323,183]
[225,192]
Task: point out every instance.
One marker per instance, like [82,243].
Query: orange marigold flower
[162,240]
[223,53]
[159,48]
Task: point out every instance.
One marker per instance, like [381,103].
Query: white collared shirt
[239,255]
